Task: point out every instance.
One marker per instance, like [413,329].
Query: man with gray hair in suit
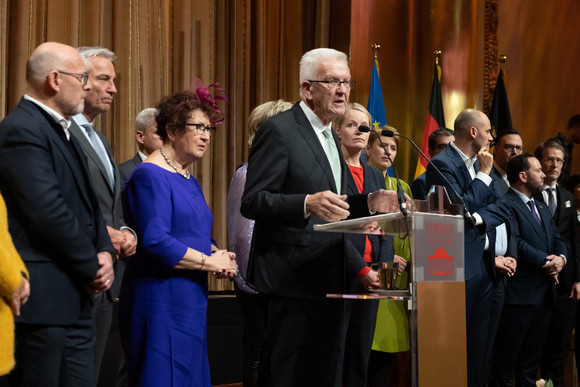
[147,141]
[105,176]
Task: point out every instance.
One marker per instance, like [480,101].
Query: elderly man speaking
[296,178]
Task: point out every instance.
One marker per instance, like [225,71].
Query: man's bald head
[48,57]
[467,119]
[56,74]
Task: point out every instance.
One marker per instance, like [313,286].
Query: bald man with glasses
[55,222]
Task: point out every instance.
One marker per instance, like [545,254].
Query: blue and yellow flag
[376,105]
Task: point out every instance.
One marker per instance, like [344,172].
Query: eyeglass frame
[511,147]
[201,128]
[553,160]
[334,83]
[82,78]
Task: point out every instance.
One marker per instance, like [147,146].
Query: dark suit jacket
[419,187]
[501,183]
[383,246]
[530,284]
[288,257]
[567,223]
[479,198]
[53,214]
[126,168]
[109,199]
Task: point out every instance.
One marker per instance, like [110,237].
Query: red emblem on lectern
[441,263]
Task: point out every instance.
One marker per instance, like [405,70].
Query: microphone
[364,129]
[466,213]
[400,192]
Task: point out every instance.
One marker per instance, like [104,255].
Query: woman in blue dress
[163,299]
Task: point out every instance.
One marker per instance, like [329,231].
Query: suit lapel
[116,182]
[546,217]
[523,208]
[456,159]
[58,138]
[89,150]
[307,131]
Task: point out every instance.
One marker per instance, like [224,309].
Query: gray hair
[144,119]
[91,52]
[312,59]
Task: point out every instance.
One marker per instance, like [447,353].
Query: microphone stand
[466,213]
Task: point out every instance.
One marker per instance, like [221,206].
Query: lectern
[436,295]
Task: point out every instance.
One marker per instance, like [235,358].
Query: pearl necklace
[185,174]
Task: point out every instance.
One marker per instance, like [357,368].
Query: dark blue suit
[58,229]
[479,264]
[530,294]
[361,315]
[419,187]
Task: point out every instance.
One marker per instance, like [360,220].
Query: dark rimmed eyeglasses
[82,78]
[334,83]
[201,128]
[511,147]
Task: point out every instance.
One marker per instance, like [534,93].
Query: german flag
[435,119]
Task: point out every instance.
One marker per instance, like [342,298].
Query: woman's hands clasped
[223,264]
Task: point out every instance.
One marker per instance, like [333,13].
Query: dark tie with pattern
[551,200]
[531,204]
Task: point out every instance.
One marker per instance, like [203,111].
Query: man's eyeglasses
[335,83]
[82,78]
[554,160]
[510,147]
[201,128]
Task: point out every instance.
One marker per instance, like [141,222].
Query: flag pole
[502,59]
[376,47]
[437,55]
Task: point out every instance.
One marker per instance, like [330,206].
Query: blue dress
[163,310]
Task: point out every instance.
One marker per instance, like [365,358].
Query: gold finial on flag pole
[437,55]
[502,59]
[376,47]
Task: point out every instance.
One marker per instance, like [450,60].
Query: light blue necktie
[333,157]
[99,149]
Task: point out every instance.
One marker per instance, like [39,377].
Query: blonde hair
[264,111]
[337,123]
[376,133]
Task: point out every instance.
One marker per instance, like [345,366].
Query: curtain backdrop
[252,48]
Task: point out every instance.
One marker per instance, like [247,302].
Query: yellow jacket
[11,271]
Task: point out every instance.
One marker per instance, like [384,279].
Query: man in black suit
[561,204]
[106,179]
[55,222]
[468,166]
[438,140]
[296,178]
[567,139]
[530,291]
[507,145]
[147,141]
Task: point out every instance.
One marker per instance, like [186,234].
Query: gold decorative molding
[490,68]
